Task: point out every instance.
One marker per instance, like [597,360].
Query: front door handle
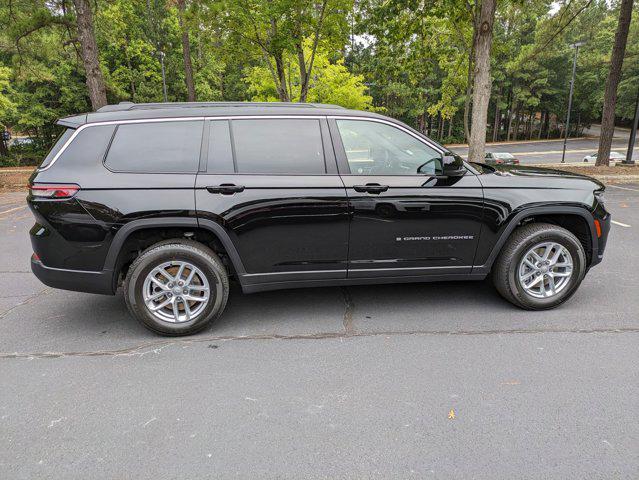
[226,189]
[370,188]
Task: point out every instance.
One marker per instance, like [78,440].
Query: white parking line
[13,209]
[624,188]
[620,224]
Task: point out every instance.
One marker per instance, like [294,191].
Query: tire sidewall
[134,290]
[573,246]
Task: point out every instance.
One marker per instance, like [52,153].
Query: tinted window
[278,146]
[220,150]
[374,148]
[156,147]
[57,146]
[88,147]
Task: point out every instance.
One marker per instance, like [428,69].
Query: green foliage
[331,83]
[409,58]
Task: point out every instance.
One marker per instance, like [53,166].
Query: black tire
[170,250]
[505,269]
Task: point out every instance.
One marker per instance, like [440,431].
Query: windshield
[57,146]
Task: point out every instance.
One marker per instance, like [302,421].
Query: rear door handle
[370,188]
[226,189]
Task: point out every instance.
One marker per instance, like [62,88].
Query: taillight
[43,190]
[515,161]
[499,162]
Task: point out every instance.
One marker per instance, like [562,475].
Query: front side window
[156,147]
[374,148]
[278,146]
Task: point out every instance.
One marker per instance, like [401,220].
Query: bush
[9,161]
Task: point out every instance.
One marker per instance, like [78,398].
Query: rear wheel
[176,287]
[540,266]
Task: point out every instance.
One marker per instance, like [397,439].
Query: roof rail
[126,106]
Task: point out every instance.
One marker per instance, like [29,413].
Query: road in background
[409,381]
[549,151]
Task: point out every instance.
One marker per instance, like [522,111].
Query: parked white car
[614,157]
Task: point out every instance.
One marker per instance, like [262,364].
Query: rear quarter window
[63,138]
[87,148]
[156,147]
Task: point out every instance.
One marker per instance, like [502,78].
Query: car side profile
[171,202]
[614,157]
[500,158]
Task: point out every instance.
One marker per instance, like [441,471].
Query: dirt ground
[14,179]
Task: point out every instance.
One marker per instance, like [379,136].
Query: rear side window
[156,147]
[57,146]
[278,146]
[87,148]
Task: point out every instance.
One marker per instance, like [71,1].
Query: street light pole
[633,134]
[572,87]
[161,55]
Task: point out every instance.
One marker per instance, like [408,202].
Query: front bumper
[598,253]
[75,280]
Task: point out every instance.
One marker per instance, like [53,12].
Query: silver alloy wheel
[176,291]
[545,270]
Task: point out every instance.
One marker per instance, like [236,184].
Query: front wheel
[176,287]
[540,267]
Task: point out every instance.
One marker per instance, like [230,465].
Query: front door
[407,218]
[272,183]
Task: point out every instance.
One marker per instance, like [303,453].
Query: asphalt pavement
[393,381]
[550,151]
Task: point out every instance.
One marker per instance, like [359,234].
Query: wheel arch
[115,262]
[558,215]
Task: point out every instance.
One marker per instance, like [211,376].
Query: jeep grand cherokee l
[170,201]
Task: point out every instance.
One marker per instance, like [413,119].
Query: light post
[633,134]
[161,55]
[572,87]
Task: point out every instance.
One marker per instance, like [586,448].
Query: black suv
[170,201]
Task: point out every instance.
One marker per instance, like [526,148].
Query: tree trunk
[530,125]
[450,127]
[614,76]
[510,124]
[186,52]
[4,150]
[421,122]
[468,94]
[496,122]
[517,121]
[89,54]
[541,124]
[483,81]
[281,78]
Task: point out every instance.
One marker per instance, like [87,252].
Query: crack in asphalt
[26,301]
[156,346]
[347,321]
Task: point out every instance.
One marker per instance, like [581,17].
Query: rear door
[408,220]
[272,183]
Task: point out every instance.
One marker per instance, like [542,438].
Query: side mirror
[453,165]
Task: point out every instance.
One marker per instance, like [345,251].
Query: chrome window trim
[113,122]
[236,117]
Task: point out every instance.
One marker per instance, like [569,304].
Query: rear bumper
[75,280]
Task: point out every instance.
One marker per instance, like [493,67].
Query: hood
[522,172]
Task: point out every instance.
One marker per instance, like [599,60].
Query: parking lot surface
[405,381]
